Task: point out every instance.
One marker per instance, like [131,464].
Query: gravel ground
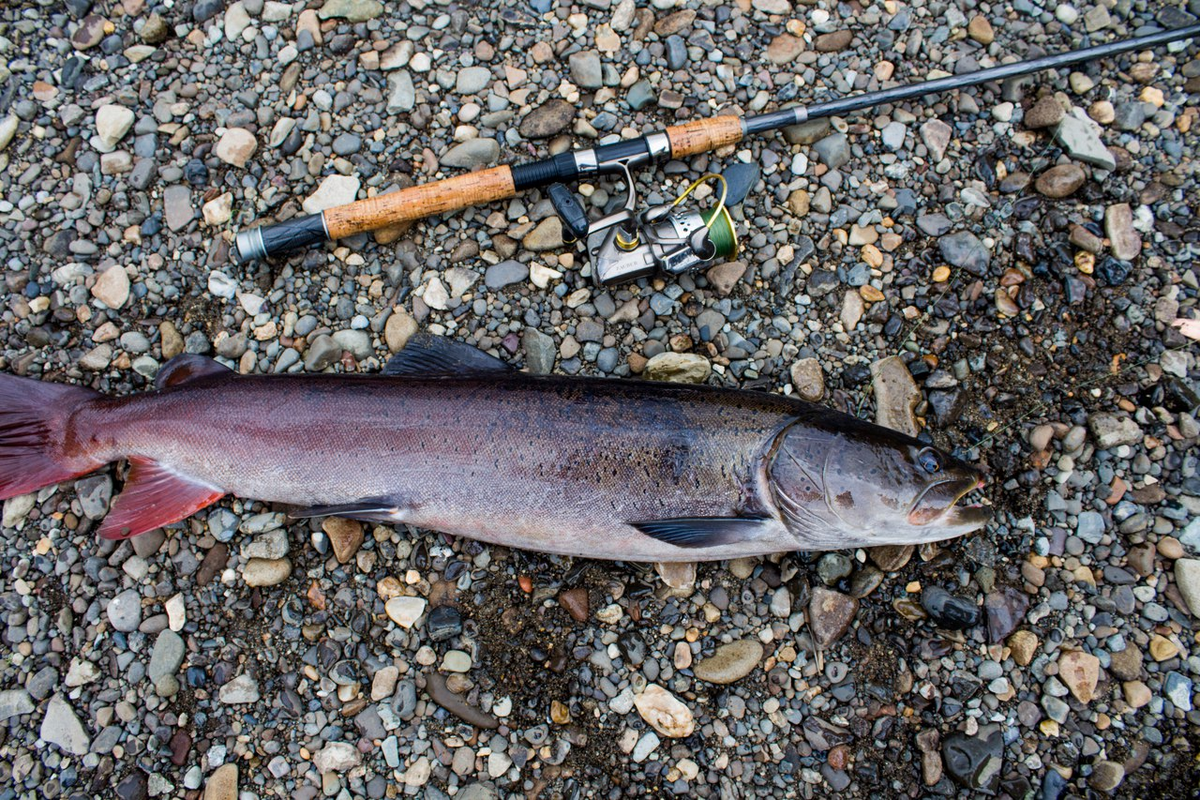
[1002,264]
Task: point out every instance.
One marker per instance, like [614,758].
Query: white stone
[112,123]
[81,673]
[176,612]
[62,727]
[237,19]
[8,129]
[335,190]
[405,611]
[218,210]
[665,712]
[112,287]
[337,757]
[436,296]
[1187,578]
[242,689]
[221,285]
[236,146]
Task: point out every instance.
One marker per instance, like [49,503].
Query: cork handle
[418,202]
[704,135]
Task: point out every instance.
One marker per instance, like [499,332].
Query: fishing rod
[627,244]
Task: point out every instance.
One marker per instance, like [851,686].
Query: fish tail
[35,417]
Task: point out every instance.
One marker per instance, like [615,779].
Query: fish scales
[454,440]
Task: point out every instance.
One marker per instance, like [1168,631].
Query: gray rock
[94,494]
[14,703]
[893,135]
[1129,116]
[472,80]
[1178,689]
[539,351]
[896,395]
[240,690]
[1081,138]
[62,727]
[125,610]
[833,150]
[177,207]
[1110,430]
[321,354]
[472,154]
[403,94]
[963,249]
[640,95]
[585,69]
[1090,527]
[167,655]
[357,342]
[547,119]
[504,274]
[936,136]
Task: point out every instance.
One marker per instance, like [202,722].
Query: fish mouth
[939,504]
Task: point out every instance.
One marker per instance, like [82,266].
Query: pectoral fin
[697,532]
[369,509]
[155,495]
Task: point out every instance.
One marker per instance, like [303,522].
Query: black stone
[632,647]
[974,761]
[947,611]
[444,623]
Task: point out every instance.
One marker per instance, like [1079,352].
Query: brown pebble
[181,745]
[839,756]
[1061,181]
[214,561]
[345,535]
[575,601]
[435,685]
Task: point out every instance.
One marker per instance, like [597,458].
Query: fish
[452,439]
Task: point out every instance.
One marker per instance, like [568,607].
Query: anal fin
[369,509]
[154,496]
[698,532]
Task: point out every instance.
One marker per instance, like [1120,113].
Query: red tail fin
[33,417]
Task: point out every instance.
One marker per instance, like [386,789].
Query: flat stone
[784,49]
[731,662]
[548,119]
[167,655]
[1187,578]
[222,784]
[1106,776]
[936,136]
[236,146]
[974,761]
[546,236]
[62,728]
[337,757]
[833,150]
[829,615]
[335,190]
[240,690]
[1081,138]
[112,287]
[218,210]
[585,69]
[1118,225]
[981,30]
[8,129]
[472,154]
[896,395]
[1023,645]
[14,703]
[725,276]
[399,328]
[505,273]
[833,42]
[677,368]
[964,249]
[1080,672]
[266,571]
[352,10]
[665,712]
[1060,181]
[1111,430]
[1045,113]
[345,536]
[472,80]
[405,611]
[177,206]
[403,95]
[808,380]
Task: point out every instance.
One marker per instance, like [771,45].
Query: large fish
[452,439]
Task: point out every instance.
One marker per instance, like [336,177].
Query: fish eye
[929,461]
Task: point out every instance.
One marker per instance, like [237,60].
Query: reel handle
[569,210]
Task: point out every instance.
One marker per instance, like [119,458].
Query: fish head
[847,483]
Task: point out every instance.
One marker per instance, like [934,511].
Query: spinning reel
[671,238]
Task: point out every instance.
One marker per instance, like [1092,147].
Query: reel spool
[670,238]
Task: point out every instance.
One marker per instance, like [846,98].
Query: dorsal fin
[429,355]
[187,367]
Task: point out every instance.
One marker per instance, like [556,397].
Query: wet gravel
[996,269]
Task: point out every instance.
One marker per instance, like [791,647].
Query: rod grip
[703,135]
[282,237]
